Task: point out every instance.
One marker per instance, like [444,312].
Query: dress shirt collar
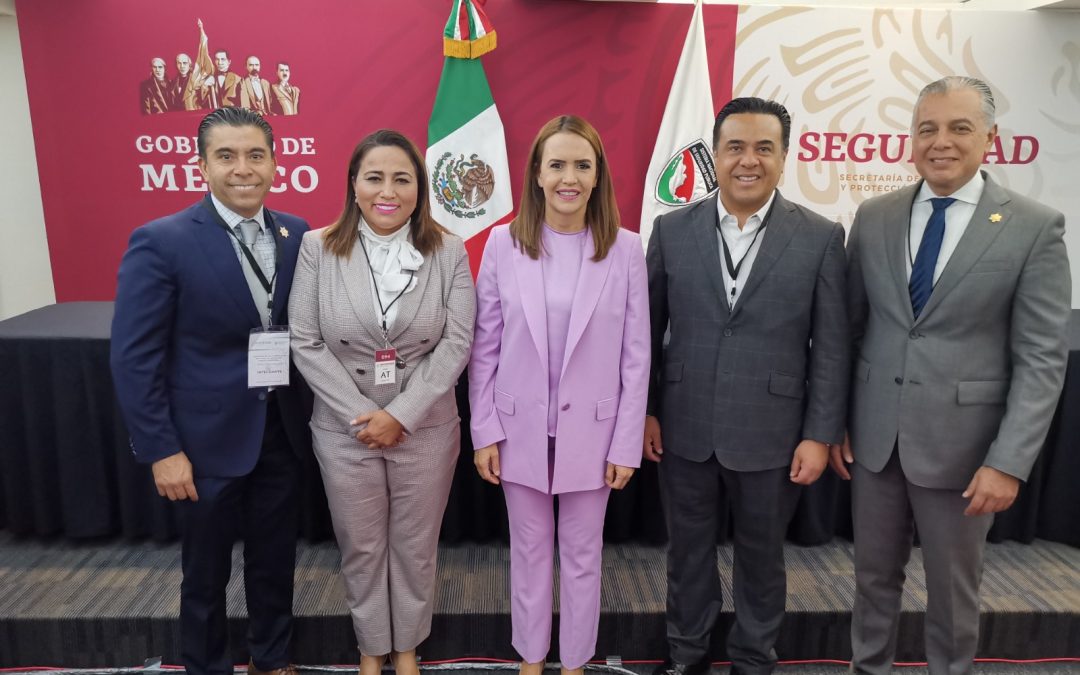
[970,193]
[752,223]
[232,219]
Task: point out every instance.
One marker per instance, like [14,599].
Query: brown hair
[340,236]
[601,213]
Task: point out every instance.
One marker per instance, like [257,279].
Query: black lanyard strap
[733,269]
[375,284]
[267,284]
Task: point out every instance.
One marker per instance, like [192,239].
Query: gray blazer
[748,385]
[975,380]
[335,332]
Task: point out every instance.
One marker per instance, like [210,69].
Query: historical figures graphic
[207,82]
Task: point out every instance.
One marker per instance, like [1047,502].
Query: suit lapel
[978,236]
[778,232]
[221,257]
[897,230]
[705,228]
[358,287]
[411,301]
[590,283]
[530,283]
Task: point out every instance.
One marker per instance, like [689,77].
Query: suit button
[360,371]
[566,406]
[898,380]
[424,341]
[262,395]
[344,341]
[914,335]
[727,332]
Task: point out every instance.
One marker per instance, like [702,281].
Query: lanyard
[267,284]
[375,287]
[733,269]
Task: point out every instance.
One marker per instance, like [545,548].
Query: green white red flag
[466,155]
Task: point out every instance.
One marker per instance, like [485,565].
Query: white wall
[25,271]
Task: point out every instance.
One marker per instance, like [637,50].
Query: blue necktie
[922,270]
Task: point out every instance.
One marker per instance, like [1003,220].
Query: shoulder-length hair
[601,213]
[427,234]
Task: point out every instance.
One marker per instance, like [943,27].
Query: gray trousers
[762,503]
[886,508]
[387,508]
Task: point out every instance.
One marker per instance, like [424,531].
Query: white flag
[682,171]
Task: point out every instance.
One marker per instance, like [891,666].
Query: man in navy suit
[192,288]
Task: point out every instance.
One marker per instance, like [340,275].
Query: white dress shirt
[742,245]
[957,217]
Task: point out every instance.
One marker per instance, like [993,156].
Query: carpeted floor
[116,603]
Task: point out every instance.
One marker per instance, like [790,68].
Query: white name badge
[268,357]
[385,366]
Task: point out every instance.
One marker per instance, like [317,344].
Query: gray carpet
[116,603]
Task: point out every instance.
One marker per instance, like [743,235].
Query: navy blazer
[179,344]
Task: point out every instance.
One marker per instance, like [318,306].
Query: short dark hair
[233,117]
[754,106]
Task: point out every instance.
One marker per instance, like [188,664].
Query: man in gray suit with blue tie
[959,299]
[749,390]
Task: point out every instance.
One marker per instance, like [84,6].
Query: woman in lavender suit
[558,381]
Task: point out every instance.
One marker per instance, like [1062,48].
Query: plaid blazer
[335,332]
[748,384]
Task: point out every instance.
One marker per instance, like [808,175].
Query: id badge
[268,357]
[385,366]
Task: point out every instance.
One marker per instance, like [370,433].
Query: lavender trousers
[532,552]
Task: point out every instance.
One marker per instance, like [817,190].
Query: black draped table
[66,468]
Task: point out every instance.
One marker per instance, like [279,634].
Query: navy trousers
[261,510]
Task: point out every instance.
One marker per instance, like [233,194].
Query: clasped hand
[381,430]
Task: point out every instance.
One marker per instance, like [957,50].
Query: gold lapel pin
[995,217]
[285,233]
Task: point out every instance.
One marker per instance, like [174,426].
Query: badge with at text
[385,366]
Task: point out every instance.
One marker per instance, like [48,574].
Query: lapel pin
[995,217]
[285,233]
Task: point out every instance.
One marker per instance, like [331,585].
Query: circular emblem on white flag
[688,177]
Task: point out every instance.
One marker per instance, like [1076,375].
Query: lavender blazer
[604,383]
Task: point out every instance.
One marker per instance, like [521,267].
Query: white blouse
[394,262]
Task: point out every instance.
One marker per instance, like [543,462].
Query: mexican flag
[682,171]
[466,155]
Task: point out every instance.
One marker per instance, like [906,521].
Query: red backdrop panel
[360,66]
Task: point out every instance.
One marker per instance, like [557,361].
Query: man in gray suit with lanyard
[751,388]
[959,297]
